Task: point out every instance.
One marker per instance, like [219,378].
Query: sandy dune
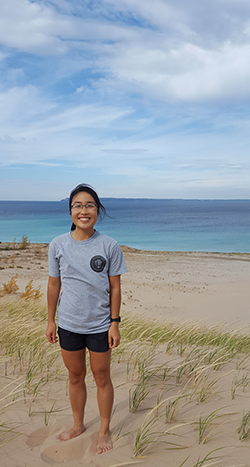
[183,287]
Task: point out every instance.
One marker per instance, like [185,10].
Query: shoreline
[15,246]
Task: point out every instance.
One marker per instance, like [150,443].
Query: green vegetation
[177,336]
[173,372]
[244,428]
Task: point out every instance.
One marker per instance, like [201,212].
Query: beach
[188,288]
[208,287]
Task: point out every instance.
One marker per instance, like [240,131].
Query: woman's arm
[53,292]
[115,304]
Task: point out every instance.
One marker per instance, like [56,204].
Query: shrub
[38,250]
[30,292]
[24,243]
[10,287]
[13,257]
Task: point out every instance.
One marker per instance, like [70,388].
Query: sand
[180,287]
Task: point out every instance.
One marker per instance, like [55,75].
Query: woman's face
[84,213]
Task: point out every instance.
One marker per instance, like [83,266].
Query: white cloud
[184,73]
[129,88]
[21,104]
[34,128]
[126,152]
[28,26]
[38,28]
[158,48]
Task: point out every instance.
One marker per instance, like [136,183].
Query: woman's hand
[114,335]
[51,333]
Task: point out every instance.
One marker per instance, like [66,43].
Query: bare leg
[76,365]
[100,366]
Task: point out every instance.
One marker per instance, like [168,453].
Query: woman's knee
[76,378]
[102,378]
[75,364]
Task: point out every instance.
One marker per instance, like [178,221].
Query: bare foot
[104,443]
[73,433]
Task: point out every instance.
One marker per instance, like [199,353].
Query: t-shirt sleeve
[54,269]
[117,264]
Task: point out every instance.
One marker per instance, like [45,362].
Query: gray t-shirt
[84,268]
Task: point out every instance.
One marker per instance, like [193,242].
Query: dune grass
[24,323]
[184,335]
[168,367]
[244,428]
[24,350]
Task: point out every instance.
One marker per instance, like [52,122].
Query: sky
[138,98]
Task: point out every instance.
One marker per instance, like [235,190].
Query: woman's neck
[80,235]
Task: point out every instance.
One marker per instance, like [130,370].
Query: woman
[84,282]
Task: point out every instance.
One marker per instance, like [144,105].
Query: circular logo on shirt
[97,263]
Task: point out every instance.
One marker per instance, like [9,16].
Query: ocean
[147,224]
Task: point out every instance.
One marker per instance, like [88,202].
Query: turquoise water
[148,224]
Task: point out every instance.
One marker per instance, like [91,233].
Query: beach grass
[18,315]
[244,428]
[169,367]
[184,335]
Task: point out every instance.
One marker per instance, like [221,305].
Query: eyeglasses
[79,207]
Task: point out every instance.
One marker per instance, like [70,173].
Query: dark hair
[88,189]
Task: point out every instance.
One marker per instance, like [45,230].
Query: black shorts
[73,341]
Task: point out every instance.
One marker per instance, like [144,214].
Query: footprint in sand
[72,449]
[39,436]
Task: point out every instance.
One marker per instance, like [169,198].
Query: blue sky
[138,98]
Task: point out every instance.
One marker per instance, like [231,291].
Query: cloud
[39,28]
[125,151]
[128,89]
[184,59]
[21,104]
[184,52]
[35,128]
[185,72]
[28,26]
